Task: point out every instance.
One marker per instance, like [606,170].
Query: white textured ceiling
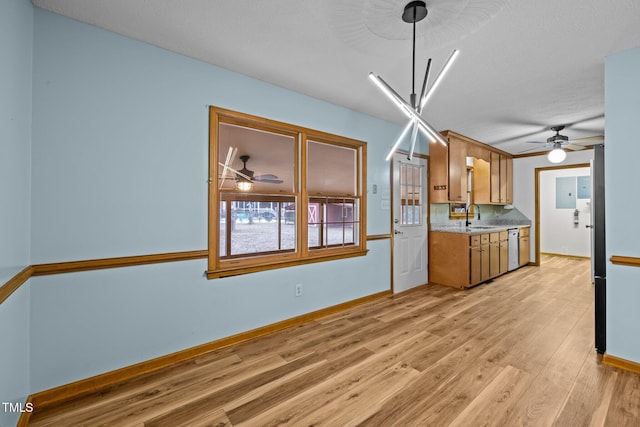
[524,65]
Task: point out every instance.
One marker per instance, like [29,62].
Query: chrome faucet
[466,211]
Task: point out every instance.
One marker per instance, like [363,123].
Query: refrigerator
[598,248]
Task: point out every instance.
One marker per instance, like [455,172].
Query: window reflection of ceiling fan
[561,141]
[244,174]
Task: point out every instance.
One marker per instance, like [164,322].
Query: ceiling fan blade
[536,142]
[589,139]
[270,181]
[573,147]
[531,149]
[268,178]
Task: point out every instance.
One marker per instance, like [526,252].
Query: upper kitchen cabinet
[501,178]
[457,170]
[469,167]
[448,170]
[438,173]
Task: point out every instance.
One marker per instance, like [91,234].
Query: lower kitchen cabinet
[525,247]
[462,260]
[480,259]
[504,252]
[494,254]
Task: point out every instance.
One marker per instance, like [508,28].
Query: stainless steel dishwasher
[514,248]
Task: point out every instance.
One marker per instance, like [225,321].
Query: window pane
[411,189]
[270,163]
[331,169]
[223,229]
[260,227]
[332,222]
[315,229]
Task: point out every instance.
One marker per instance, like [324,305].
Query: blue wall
[622,83]
[16,41]
[120,153]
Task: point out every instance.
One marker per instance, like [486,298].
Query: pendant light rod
[399,140]
[439,78]
[414,11]
[424,86]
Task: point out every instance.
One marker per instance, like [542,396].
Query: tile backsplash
[439,213]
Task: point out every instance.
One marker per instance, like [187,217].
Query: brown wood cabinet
[438,173]
[463,260]
[492,177]
[481,182]
[494,254]
[457,170]
[504,252]
[525,248]
[501,179]
[479,253]
[509,175]
[459,260]
[448,171]
[449,260]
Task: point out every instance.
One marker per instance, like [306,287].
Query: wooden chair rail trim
[19,279]
[58,395]
[14,283]
[625,260]
[378,237]
[620,363]
[97,264]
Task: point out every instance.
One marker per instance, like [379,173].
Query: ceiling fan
[562,142]
[244,177]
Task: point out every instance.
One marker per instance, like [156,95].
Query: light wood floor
[515,351]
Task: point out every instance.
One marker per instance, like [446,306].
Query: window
[411,192]
[281,195]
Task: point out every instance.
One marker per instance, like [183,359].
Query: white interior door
[410,250]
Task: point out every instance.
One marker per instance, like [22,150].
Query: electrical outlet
[299,290]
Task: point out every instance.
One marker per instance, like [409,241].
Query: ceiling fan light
[557,155]
[244,185]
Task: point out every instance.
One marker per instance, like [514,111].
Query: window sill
[236,271]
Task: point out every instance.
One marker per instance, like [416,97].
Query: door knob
[397,232]
[588,226]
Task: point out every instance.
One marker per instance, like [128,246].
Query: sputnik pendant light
[414,12]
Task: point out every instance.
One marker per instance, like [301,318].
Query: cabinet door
[484,261]
[481,182]
[504,256]
[457,170]
[438,173]
[524,251]
[495,177]
[494,259]
[475,266]
[503,179]
[509,200]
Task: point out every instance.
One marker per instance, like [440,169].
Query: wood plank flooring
[517,351]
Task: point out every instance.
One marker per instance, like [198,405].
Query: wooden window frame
[242,264]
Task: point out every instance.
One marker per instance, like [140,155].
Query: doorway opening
[563,211]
